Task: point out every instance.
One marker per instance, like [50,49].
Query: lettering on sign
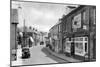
[76,22]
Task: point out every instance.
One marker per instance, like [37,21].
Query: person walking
[20,35]
[30,41]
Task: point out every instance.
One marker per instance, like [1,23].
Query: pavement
[63,56]
[41,55]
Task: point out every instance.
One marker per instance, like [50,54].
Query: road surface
[39,55]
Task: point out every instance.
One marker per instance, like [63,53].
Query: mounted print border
[43,33]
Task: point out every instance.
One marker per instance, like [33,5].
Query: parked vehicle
[41,43]
[48,45]
[25,52]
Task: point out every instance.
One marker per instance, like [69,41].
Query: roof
[73,11]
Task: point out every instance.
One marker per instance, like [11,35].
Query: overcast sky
[40,15]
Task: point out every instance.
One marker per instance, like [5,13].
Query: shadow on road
[48,54]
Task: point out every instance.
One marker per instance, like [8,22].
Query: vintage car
[25,52]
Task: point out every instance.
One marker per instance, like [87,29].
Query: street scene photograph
[51,33]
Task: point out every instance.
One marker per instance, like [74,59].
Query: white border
[5,33]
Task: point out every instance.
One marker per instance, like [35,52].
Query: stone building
[79,33]
[54,36]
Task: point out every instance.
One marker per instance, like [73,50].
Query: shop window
[79,45]
[86,39]
[76,44]
[81,39]
[67,39]
[68,44]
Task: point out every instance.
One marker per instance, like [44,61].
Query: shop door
[72,49]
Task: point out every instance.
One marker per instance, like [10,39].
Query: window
[81,39]
[85,39]
[76,44]
[78,39]
[94,14]
[79,45]
[84,16]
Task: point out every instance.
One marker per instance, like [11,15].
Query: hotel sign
[76,22]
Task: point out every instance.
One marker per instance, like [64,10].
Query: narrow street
[68,30]
[39,55]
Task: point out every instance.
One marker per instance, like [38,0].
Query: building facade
[54,37]
[13,33]
[79,33]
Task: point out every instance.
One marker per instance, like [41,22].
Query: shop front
[76,46]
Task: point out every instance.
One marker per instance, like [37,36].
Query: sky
[42,16]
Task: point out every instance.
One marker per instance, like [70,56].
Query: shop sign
[76,22]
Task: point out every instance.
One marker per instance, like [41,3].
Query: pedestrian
[20,35]
[30,41]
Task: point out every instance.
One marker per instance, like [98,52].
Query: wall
[12,36]
[13,27]
[54,37]
[67,29]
